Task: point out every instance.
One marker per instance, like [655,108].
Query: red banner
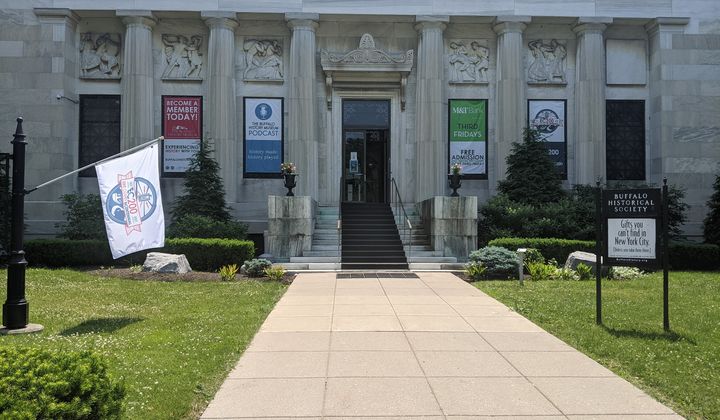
[181,117]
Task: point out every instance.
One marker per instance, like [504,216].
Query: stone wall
[291,223]
[451,224]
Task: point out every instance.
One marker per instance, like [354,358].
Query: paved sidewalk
[433,347]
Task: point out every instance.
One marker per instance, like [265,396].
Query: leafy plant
[43,384]
[531,176]
[227,272]
[500,263]
[625,273]
[256,267]
[197,226]
[84,216]
[584,271]
[540,271]
[533,255]
[274,273]
[566,274]
[711,224]
[474,270]
[136,268]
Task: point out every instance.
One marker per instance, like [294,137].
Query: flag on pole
[131,202]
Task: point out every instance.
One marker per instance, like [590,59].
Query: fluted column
[430,141]
[590,100]
[302,145]
[510,94]
[137,78]
[221,116]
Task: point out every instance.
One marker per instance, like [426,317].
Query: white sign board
[631,238]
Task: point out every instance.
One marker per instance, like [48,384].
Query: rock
[166,263]
[580,257]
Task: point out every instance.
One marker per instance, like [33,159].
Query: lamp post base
[29,328]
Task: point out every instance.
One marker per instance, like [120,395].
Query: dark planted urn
[454,184]
[290,183]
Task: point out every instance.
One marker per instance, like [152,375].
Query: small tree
[204,191]
[711,228]
[85,218]
[531,176]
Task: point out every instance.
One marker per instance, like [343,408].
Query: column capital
[56,15]
[137,18]
[214,19]
[431,22]
[596,25]
[302,21]
[506,24]
[666,24]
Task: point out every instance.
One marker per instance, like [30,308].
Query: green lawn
[680,368]
[173,343]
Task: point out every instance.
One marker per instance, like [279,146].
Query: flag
[131,202]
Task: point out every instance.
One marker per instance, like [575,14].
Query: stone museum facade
[363,93]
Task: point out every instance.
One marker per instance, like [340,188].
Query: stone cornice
[673,24]
[56,14]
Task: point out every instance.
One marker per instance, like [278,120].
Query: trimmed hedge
[683,255]
[42,384]
[202,254]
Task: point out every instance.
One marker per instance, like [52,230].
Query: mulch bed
[193,276]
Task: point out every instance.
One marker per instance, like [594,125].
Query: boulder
[166,263]
[580,257]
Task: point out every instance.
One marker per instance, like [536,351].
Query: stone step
[423,253]
[330,247]
[327,236]
[417,247]
[436,266]
[321,253]
[333,242]
[335,259]
[415,259]
[325,231]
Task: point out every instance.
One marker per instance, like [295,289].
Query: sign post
[598,253]
[666,259]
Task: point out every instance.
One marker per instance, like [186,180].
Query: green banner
[467,135]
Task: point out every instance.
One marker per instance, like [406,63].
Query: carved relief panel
[182,57]
[547,62]
[100,55]
[468,61]
[263,60]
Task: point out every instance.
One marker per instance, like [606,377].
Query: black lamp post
[16,307]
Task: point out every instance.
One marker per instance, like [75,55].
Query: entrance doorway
[366,152]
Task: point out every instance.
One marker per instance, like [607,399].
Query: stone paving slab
[428,348]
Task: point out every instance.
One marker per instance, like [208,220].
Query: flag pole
[117,155]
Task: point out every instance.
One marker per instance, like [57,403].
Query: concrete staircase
[418,250]
[370,239]
[325,252]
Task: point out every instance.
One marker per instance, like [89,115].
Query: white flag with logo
[130,194]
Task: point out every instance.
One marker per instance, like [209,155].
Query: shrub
[499,262]
[227,272]
[711,224]
[38,383]
[541,271]
[584,271]
[474,270]
[566,274]
[85,218]
[531,176]
[692,256]
[625,273]
[256,267]
[196,226]
[274,273]
[551,248]
[533,255]
[202,254]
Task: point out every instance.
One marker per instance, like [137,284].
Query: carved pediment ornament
[366,58]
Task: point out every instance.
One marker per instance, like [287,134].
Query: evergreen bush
[85,219]
[196,226]
[499,263]
[255,267]
[711,225]
[41,384]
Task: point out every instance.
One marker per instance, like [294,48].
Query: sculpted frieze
[183,58]
[468,62]
[263,60]
[100,55]
[547,62]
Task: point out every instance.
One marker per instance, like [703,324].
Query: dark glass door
[366,135]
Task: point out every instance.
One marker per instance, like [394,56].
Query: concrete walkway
[433,347]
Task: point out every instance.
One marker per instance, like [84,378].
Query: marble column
[302,144]
[510,93]
[221,116]
[430,140]
[137,78]
[590,100]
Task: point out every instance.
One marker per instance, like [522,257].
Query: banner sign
[467,136]
[263,135]
[632,226]
[549,118]
[131,202]
[182,129]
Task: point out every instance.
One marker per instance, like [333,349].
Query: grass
[681,368]
[173,343]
